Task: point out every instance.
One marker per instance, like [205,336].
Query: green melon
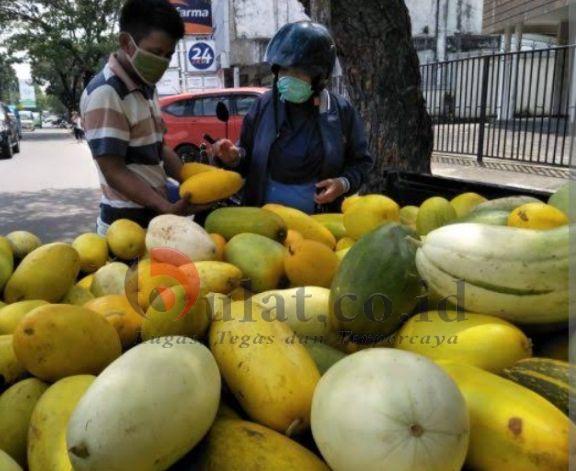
[229,222]
[466,202]
[323,355]
[377,283]
[435,212]
[509,203]
[488,216]
[408,215]
[561,198]
[549,378]
[334,222]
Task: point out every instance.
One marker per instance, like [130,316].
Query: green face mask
[294,90]
[149,67]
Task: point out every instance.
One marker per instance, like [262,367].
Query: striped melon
[547,377]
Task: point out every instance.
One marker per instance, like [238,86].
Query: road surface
[50,188]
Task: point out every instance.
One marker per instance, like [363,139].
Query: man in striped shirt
[122,118]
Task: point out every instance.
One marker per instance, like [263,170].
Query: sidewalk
[499,172]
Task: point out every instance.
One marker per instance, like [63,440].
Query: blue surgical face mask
[294,90]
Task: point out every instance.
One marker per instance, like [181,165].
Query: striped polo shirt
[123,118]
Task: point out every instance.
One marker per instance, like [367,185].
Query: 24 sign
[202,57]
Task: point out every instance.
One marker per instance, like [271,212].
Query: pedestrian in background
[77,125]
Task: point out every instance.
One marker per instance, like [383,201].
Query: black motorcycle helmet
[303,45]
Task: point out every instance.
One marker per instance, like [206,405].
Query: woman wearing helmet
[300,146]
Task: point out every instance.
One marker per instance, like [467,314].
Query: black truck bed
[412,189]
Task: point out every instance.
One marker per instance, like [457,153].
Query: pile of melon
[270,339]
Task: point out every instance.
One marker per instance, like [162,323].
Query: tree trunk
[382,75]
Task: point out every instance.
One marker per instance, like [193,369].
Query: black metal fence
[513,106]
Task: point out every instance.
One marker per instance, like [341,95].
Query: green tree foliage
[8,81]
[66,41]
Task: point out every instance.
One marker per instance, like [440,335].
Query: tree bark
[382,75]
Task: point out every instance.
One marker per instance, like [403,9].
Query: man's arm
[121,179]
[172,164]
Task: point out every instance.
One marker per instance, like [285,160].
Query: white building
[442,30]
[243,29]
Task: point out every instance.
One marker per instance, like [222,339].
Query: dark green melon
[547,377]
[323,355]
[377,284]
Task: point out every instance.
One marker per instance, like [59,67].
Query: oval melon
[369,213]
[435,212]
[324,355]
[229,222]
[11,370]
[261,260]
[388,406]
[12,314]
[147,409]
[47,432]
[233,445]
[466,202]
[484,341]
[23,242]
[93,251]
[310,263]
[126,239]
[508,203]
[209,187]
[304,309]
[377,283]
[16,406]
[487,216]
[110,279]
[46,273]
[118,311]
[58,340]
[561,197]
[408,215]
[301,222]
[6,262]
[269,372]
[182,235]
[334,222]
[537,216]
[77,296]
[172,313]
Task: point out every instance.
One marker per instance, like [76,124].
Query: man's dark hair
[140,17]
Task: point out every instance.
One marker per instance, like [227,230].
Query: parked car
[9,140]
[14,111]
[27,121]
[37,119]
[190,116]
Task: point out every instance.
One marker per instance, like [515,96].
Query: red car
[190,116]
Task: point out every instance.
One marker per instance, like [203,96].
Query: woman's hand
[226,151]
[332,189]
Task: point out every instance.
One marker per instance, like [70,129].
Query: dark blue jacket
[344,139]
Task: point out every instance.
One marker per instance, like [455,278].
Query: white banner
[27,94]
[170,84]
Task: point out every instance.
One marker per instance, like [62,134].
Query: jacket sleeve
[357,158]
